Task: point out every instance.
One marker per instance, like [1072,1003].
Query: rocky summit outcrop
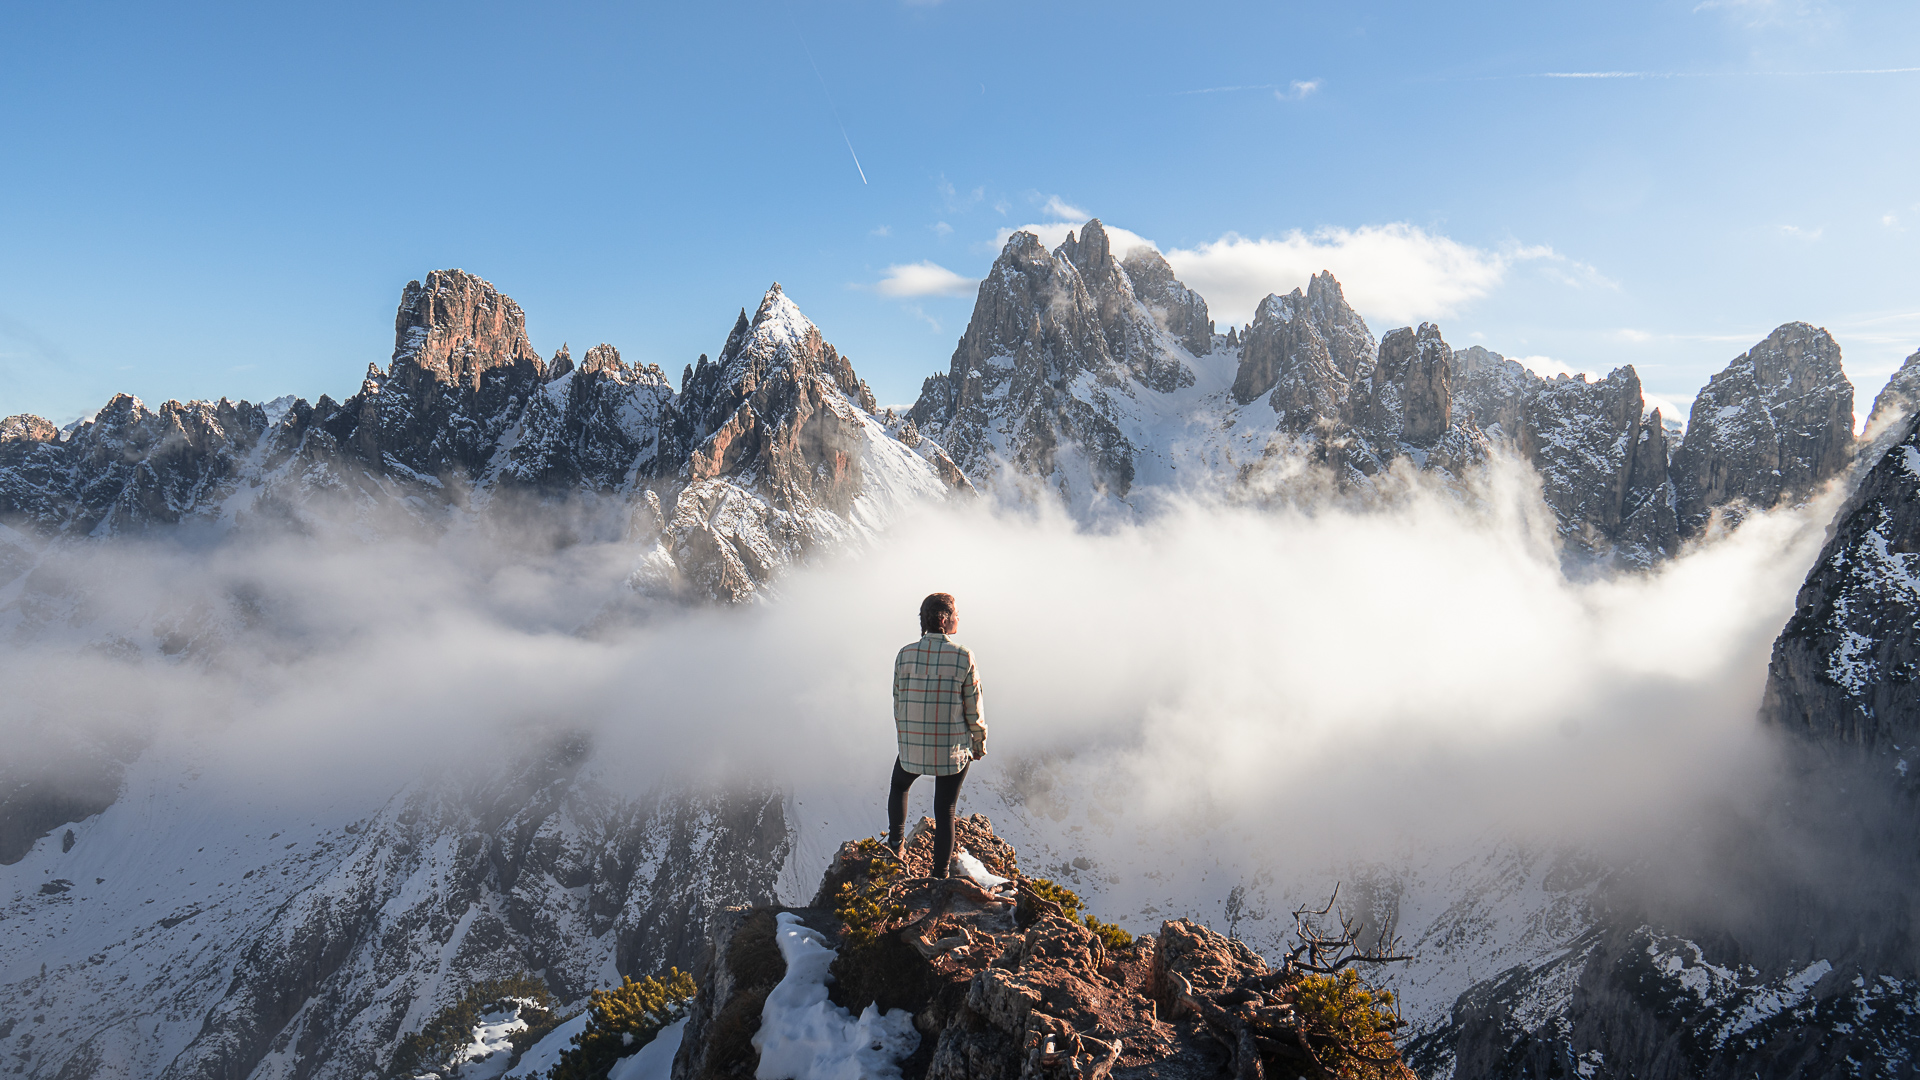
[760,457]
[1403,407]
[1603,467]
[1304,351]
[1774,426]
[1175,308]
[462,371]
[1055,362]
[1004,981]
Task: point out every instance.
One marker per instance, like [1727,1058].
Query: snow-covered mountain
[1088,376]
[766,453]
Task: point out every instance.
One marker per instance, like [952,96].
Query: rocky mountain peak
[561,363]
[455,328]
[605,359]
[1899,397]
[1772,426]
[27,428]
[1179,310]
[1307,348]
[1603,467]
[1092,253]
[1413,384]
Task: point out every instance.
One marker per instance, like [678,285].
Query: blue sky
[199,200]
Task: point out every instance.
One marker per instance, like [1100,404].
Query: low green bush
[622,1020]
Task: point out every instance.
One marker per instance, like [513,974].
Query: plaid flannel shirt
[937,708]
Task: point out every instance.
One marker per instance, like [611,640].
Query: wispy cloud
[955,201]
[884,230]
[1292,91]
[1710,74]
[941,228]
[1798,233]
[923,279]
[1061,209]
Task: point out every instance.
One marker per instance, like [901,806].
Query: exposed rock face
[1636,1002]
[1900,395]
[1053,361]
[1896,401]
[597,428]
[1176,308]
[1603,468]
[461,371]
[1491,391]
[1846,669]
[1411,392]
[27,429]
[129,468]
[1307,348]
[1773,426]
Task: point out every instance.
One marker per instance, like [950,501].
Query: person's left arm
[973,706]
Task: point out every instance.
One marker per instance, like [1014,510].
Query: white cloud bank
[924,279]
[1397,272]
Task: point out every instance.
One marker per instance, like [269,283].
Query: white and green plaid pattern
[937,707]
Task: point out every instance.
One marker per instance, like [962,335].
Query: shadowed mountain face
[1796,956]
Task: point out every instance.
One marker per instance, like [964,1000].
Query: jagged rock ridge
[761,456]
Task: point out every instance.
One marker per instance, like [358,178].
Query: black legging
[946,792]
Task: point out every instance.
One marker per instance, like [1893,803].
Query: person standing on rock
[940,719]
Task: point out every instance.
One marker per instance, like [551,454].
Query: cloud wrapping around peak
[1397,272]
[924,279]
[1054,233]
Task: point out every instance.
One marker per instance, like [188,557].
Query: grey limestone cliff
[1773,426]
[1846,669]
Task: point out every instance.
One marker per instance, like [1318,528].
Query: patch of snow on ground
[545,1054]
[803,1036]
[967,866]
[654,1061]
[1771,1002]
[486,1057]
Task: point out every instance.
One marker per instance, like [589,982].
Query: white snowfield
[804,1036]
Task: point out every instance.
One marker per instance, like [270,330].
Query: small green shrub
[452,1028]
[1068,900]
[1349,1025]
[865,906]
[622,1020]
[1113,937]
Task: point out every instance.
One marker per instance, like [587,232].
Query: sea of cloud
[1420,673]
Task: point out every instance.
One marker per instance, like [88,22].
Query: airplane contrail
[828,94]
